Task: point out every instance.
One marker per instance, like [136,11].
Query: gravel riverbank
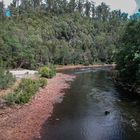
[24,122]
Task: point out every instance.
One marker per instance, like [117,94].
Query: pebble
[57,119]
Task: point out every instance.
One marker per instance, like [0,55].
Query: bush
[6,79]
[28,85]
[47,72]
[26,89]
[42,82]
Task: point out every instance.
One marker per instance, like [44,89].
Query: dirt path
[25,122]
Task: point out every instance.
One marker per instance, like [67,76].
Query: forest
[64,32]
[59,32]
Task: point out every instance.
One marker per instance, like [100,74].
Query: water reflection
[81,115]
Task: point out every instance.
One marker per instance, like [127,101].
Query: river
[94,109]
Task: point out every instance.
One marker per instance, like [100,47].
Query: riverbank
[68,67]
[133,89]
[24,122]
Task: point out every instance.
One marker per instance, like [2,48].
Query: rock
[107,112]
[133,123]
[57,119]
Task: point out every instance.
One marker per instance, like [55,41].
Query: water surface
[81,115]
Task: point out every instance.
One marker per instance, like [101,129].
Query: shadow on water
[94,109]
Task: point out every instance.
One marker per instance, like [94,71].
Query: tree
[102,12]
[80,6]
[72,5]
[88,8]
[1,10]
[36,3]
[128,58]
[93,10]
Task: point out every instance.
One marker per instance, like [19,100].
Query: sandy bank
[25,122]
[59,68]
[23,73]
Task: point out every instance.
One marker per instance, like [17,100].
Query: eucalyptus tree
[26,5]
[93,10]
[72,5]
[102,12]
[80,6]
[88,8]
[1,10]
[105,11]
[36,3]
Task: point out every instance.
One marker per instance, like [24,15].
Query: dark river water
[94,109]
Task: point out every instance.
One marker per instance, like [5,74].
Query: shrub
[42,82]
[47,72]
[28,85]
[53,70]
[10,98]
[128,56]
[6,79]
[26,89]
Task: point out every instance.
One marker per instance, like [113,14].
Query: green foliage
[59,32]
[128,56]
[6,79]
[42,82]
[47,72]
[23,93]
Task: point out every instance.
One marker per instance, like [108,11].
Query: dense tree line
[128,58]
[59,32]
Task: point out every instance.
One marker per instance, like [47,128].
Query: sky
[128,6]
